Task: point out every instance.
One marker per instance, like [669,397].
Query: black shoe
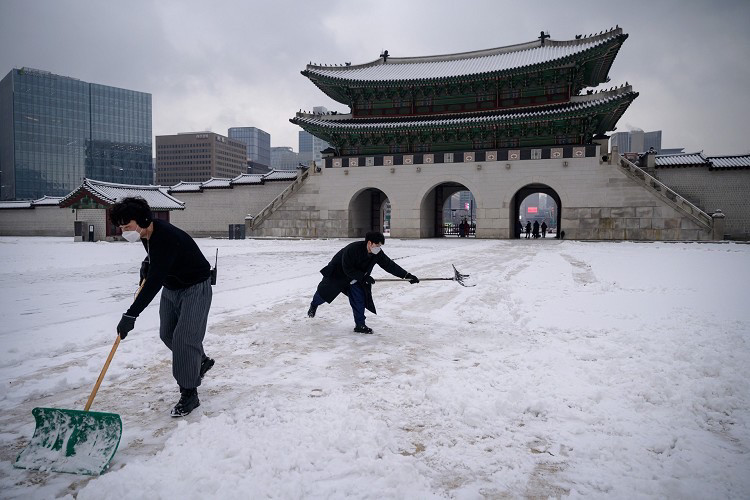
[362,329]
[187,403]
[206,365]
[311,311]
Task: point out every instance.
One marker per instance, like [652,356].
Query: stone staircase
[665,193]
[253,223]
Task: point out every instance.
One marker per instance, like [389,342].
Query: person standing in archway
[535,231]
[544,229]
[349,273]
[528,230]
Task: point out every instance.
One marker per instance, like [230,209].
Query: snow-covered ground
[616,370]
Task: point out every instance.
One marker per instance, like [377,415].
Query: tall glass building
[56,130]
[258,143]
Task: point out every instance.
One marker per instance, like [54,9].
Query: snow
[570,369]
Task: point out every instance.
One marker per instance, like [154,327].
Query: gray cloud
[236,63]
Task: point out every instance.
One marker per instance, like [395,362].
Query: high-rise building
[284,158]
[311,146]
[636,141]
[55,130]
[197,157]
[257,142]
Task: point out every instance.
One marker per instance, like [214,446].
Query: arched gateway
[500,123]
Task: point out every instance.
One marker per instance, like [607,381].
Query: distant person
[462,228]
[535,231]
[528,230]
[544,229]
[176,263]
[519,229]
[349,273]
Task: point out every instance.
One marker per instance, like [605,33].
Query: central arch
[522,194]
[438,216]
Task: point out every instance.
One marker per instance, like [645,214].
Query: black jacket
[353,262]
[175,262]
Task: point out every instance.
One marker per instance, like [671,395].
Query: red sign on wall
[532,210]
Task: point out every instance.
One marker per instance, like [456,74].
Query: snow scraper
[459,278]
[74,441]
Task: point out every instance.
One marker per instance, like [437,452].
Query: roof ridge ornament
[543,35]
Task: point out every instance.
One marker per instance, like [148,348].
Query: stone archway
[366,212]
[434,221]
[522,194]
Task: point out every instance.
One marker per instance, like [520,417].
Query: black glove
[126,324]
[412,279]
[369,280]
[144,270]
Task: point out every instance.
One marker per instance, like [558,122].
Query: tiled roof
[157,197]
[215,182]
[48,201]
[466,63]
[248,179]
[681,160]
[16,204]
[736,161]
[577,103]
[280,175]
[186,187]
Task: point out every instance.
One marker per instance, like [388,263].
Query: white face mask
[375,250]
[131,236]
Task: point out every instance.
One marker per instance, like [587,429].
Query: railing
[666,193]
[453,230]
[279,200]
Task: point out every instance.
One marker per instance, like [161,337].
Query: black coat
[353,262]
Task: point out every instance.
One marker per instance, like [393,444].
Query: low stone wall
[37,221]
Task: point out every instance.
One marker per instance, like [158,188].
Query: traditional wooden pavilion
[523,95]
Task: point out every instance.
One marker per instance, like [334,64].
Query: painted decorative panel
[337,162]
[408,159]
[353,162]
[448,158]
[388,161]
[579,152]
[491,156]
[428,158]
[370,161]
[536,154]
[514,154]
[556,153]
[469,156]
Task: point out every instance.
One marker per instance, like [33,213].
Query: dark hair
[128,209]
[375,237]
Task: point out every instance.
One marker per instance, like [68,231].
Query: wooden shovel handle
[101,375]
[109,360]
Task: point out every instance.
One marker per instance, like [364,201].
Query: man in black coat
[349,273]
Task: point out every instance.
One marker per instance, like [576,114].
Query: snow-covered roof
[216,182]
[45,201]
[108,193]
[280,175]
[186,187]
[465,63]
[681,160]
[735,161]
[577,103]
[248,179]
[699,160]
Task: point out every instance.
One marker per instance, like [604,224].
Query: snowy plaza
[617,370]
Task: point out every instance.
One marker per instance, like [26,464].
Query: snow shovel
[457,277]
[74,441]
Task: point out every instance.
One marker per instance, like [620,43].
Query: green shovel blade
[74,441]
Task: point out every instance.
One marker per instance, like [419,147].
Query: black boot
[187,403]
[362,328]
[311,311]
[206,365]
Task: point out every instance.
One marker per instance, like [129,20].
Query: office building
[55,130]
[311,146]
[284,158]
[197,157]
[636,141]
[257,143]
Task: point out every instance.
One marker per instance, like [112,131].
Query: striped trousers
[184,315]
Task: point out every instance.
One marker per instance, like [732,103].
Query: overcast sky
[211,65]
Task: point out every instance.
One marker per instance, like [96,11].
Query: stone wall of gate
[599,200]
